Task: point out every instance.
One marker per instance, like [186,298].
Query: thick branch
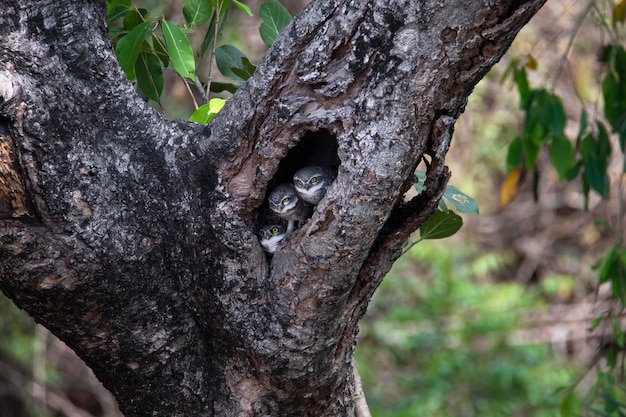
[145,229]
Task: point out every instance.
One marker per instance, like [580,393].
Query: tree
[132,238]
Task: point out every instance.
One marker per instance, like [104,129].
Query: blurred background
[493,321]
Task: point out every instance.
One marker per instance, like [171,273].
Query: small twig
[619,238]
[213,48]
[193,98]
[577,25]
[360,403]
[410,245]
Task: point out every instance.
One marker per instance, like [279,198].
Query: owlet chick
[284,201]
[311,182]
[271,235]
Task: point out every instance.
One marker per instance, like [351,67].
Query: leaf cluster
[146,46]
[585,158]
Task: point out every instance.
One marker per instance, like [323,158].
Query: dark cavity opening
[315,148]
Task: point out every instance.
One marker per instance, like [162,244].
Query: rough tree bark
[132,237]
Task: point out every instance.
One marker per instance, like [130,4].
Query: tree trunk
[133,238]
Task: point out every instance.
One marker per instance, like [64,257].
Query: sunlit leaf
[242,7]
[128,47]
[441,225]
[275,17]
[197,12]
[179,50]
[207,112]
[510,187]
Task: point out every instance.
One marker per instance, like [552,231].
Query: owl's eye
[285,200]
[300,182]
[313,180]
[274,229]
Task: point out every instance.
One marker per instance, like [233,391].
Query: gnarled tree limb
[133,239]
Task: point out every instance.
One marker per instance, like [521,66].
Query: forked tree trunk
[132,237]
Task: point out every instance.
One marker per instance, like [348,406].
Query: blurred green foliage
[438,341]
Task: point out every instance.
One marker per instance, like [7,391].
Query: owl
[312,182]
[271,235]
[284,201]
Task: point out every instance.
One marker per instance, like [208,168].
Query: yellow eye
[300,182]
[285,200]
[274,229]
[313,180]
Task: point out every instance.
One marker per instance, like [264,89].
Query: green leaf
[243,7]
[595,152]
[160,49]
[608,266]
[531,151]
[217,87]
[595,323]
[461,202]
[128,47]
[112,4]
[227,57]
[614,93]
[275,17]
[179,50]
[118,12]
[562,156]
[618,333]
[514,154]
[207,112]
[555,112]
[443,206]
[441,225]
[134,17]
[522,87]
[247,71]
[610,354]
[149,75]
[197,12]
[419,184]
[570,405]
[583,123]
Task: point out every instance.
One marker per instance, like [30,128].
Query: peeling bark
[132,238]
